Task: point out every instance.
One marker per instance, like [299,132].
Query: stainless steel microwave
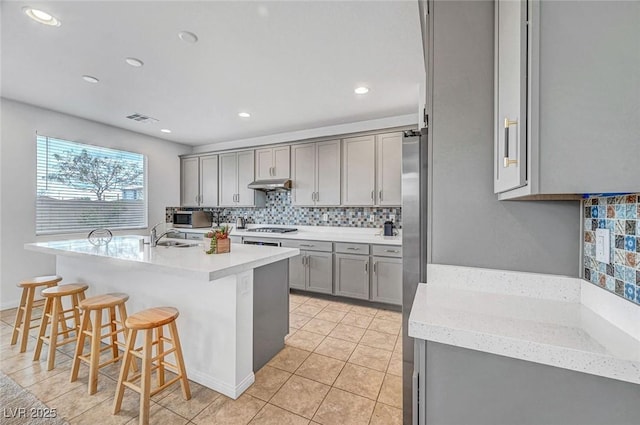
[191,219]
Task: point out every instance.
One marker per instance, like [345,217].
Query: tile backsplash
[279,210]
[621,215]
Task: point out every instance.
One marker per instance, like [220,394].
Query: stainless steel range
[268,241]
[272,230]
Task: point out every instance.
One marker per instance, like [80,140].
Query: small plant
[216,235]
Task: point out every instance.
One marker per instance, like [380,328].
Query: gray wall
[469,387]
[470,227]
[20,122]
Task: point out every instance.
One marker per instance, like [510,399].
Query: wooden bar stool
[146,321]
[54,311]
[92,327]
[23,320]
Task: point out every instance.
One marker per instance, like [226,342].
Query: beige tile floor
[341,366]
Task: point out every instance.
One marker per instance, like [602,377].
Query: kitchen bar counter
[317,233]
[545,319]
[225,335]
[189,262]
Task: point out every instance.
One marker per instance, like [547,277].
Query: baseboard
[222,387]
[6,305]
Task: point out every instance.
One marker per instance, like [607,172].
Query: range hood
[270,185]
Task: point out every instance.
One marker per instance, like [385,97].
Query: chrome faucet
[153,237]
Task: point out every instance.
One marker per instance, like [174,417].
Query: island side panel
[215,322]
[270,311]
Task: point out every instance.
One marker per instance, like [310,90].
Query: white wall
[20,122]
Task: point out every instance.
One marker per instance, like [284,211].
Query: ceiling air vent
[142,118]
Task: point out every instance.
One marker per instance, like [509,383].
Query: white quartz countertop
[558,331]
[189,262]
[318,233]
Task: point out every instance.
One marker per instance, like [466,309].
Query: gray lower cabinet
[455,385]
[297,272]
[312,270]
[352,275]
[386,280]
[319,271]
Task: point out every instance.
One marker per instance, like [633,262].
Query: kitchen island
[225,335]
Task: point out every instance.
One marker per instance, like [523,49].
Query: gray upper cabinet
[189,182]
[273,163]
[389,169]
[358,171]
[315,174]
[566,99]
[199,181]
[511,71]
[209,181]
[236,171]
[352,275]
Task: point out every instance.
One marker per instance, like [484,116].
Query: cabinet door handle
[353,248]
[366,267]
[375,267]
[506,161]
[302,259]
[317,196]
[380,196]
[373,194]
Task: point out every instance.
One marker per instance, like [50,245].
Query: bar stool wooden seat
[93,327]
[55,312]
[147,321]
[22,324]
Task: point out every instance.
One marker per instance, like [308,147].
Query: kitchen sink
[176,244]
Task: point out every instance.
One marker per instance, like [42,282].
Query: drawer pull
[507,161]
[395,251]
[306,245]
[353,248]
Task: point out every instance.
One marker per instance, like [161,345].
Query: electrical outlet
[392,217]
[602,245]
[325,217]
[372,218]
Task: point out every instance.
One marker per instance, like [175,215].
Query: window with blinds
[82,187]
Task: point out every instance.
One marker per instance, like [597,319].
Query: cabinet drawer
[308,245]
[195,236]
[175,235]
[386,250]
[352,248]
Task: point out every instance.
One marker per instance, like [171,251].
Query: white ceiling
[292,65]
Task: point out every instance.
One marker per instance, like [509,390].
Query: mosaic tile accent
[621,215]
[278,210]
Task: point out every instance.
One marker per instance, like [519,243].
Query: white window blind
[82,187]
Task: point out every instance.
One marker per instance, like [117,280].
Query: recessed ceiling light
[244,114]
[90,79]
[136,63]
[188,37]
[166,130]
[362,90]
[41,16]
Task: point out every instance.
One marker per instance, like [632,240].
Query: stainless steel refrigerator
[414,248]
